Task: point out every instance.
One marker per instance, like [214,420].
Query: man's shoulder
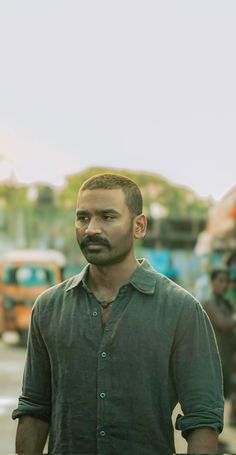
[165,284]
[57,291]
[173,289]
[176,303]
[166,291]
[170,293]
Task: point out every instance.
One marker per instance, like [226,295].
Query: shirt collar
[143,278]
[77,279]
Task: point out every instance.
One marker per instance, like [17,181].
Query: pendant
[105,304]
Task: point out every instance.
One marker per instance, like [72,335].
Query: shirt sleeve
[197,372]
[35,399]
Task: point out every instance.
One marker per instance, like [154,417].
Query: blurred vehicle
[24,275]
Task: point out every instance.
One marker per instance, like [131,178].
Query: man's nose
[93,227]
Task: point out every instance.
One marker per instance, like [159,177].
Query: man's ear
[140,226]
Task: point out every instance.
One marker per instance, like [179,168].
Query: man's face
[233,284]
[232,276]
[104,226]
[220,283]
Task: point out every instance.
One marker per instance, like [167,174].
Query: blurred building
[220,233]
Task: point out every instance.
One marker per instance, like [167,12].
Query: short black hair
[215,272]
[230,257]
[111,181]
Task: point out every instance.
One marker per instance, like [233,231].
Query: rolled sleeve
[198,374]
[35,399]
[201,419]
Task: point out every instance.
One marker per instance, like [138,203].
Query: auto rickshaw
[24,275]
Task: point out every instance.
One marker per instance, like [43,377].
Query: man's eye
[82,218]
[108,217]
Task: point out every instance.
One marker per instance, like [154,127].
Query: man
[231,296]
[112,350]
[231,264]
[223,319]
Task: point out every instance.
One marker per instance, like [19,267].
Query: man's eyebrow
[103,211]
[109,211]
[80,211]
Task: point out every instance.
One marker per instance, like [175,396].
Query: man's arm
[198,379]
[31,435]
[203,440]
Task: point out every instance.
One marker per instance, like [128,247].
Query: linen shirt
[112,390]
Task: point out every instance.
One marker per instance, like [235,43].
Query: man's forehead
[101,197]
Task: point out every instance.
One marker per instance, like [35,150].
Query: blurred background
[146,89]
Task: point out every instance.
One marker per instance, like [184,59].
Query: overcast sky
[144,85]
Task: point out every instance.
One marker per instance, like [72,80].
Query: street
[11,367]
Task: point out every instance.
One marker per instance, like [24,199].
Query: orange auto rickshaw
[24,275]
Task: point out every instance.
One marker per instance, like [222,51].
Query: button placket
[95,318]
[103,400]
[103,372]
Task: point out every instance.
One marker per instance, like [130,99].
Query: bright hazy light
[143,85]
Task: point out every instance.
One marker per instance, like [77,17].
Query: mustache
[94,239]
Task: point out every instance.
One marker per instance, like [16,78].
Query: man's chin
[100,259]
[95,257]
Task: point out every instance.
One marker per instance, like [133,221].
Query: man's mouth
[94,245]
[92,242]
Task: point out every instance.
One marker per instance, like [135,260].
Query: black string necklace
[104,304]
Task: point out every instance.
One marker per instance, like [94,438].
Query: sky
[142,85]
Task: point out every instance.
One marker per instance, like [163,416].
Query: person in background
[231,295]
[223,319]
[111,351]
[231,264]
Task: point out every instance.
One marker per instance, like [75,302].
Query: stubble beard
[112,258]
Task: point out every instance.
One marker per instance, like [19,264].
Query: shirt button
[102,395]
[95,313]
[102,433]
[104,354]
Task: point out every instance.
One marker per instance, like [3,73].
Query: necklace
[105,304]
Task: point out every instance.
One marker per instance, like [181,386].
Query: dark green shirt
[112,391]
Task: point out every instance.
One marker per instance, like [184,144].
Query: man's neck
[111,277]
